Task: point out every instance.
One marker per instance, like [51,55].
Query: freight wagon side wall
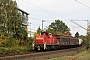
[74,41]
[64,41]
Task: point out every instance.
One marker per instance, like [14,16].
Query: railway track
[44,55]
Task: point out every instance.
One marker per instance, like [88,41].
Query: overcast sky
[51,10]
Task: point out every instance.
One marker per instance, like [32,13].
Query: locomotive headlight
[33,45]
[45,45]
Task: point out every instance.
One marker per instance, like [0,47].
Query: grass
[84,55]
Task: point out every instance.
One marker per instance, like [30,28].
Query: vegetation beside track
[14,50]
[15,47]
[84,55]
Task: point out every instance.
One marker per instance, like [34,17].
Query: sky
[51,10]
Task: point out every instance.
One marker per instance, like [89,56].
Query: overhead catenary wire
[38,7]
[45,9]
[34,18]
[29,4]
[40,19]
[82,4]
[77,24]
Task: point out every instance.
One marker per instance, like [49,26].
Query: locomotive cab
[44,41]
[40,41]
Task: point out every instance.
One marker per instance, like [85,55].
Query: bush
[14,50]
[4,50]
[11,46]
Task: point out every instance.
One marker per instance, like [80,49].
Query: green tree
[39,30]
[11,21]
[77,34]
[84,38]
[57,27]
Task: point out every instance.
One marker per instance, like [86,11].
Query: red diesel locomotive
[47,41]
